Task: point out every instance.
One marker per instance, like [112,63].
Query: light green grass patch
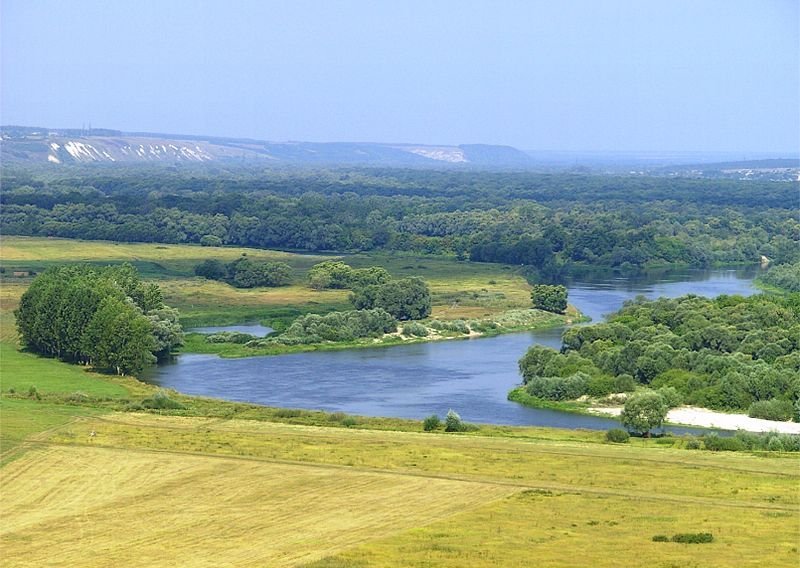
[20,371]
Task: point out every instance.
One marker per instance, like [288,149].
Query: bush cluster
[415,329]
[775,409]
[335,326]
[457,326]
[617,435]
[246,273]
[559,388]
[229,337]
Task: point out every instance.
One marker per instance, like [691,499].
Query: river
[472,377]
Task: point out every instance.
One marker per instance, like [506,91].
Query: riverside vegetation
[126,466]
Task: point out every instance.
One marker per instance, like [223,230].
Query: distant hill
[25,144]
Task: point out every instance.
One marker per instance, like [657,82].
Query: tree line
[548,221]
[103,317]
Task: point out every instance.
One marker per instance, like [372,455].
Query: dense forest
[728,353]
[549,221]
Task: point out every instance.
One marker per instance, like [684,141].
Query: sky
[571,75]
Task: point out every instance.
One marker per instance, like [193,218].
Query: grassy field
[460,290]
[196,491]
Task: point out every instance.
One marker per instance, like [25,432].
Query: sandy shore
[693,416]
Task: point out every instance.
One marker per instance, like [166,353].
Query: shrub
[693,538]
[415,329]
[660,538]
[431,423]
[337,416]
[349,421]
[716,443]
[559,388]
[693,444]
[229,337]
[617,435]
[453,423]
[161,401]
[336,326]
[33,393]
[458,326]
[779,410]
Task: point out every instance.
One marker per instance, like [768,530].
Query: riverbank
[705,418]
[511,321]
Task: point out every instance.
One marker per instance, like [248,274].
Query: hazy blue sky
[652,75]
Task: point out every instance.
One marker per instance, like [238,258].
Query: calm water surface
[472,377]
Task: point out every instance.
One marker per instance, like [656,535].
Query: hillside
[22,144]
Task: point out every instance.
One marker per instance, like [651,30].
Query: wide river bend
[472,377]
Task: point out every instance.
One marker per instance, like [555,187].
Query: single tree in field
[549,298]
[643,412]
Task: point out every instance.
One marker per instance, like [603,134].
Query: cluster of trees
[335,274]
[104,317]
[783,276]
[335,326]
[548,221]
[550,298]
[406,298]
[724,353]
[246,273]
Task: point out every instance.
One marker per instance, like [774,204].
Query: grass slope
[152,490]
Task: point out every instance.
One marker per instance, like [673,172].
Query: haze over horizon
[590,76]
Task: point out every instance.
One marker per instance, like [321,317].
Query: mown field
[155,490]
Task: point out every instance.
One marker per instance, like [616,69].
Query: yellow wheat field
[92,506]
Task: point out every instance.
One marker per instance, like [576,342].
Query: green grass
[19,419]
[20,371]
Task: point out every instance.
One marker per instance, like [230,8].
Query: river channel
[472,376]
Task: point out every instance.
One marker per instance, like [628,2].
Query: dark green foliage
[33,393]
[405,299]
[105,317]
[338,275]
[643,412]
[335,326]
[723,444]
[212,269]
[559,388]
[693,538]
[546,221]
[660,538]
[549,298]
[723,353]
[784,276]
[431,423]
[780,410]
[751,441]
[245,273]
[617,435]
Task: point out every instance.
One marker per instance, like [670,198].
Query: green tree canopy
[549,298]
